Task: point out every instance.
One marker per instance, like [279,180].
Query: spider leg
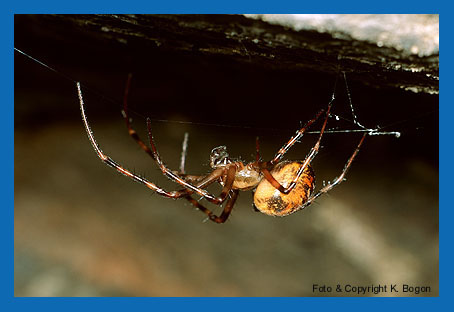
[307,161]
[193,179]
[225,213]
[339,179]
[296,137]
[188,179]
[181,172]
[229,172]
[131,131]
[184,151]
[135,136]
[110,162]
[212,177]
[227,189]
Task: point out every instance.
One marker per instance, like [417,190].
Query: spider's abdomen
[271,201]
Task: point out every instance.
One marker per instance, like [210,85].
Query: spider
[282,187]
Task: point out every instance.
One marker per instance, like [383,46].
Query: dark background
[81,229]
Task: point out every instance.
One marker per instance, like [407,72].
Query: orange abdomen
[271,201]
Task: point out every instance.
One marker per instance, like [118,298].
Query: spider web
[353,119]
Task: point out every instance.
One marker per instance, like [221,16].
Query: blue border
[8,301]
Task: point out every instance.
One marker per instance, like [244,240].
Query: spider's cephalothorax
[246,176]
[281,187]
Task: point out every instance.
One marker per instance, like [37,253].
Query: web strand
[363,129]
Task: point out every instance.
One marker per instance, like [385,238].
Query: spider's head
[219,157]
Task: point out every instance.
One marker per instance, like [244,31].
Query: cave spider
[281,187]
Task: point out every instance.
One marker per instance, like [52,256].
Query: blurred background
[81,229]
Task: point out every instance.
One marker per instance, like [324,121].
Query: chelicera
[281,187]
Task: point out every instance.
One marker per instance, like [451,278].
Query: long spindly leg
[110,162]
[186,181]
[182,170]
[226,211]
[284,149]
[339,179]
[184,152]
[307,161]
[131,130]
[133,133]
[230,175]
[192,179]
[227,189]
[214,176]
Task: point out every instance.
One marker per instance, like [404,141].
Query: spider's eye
[219,157]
